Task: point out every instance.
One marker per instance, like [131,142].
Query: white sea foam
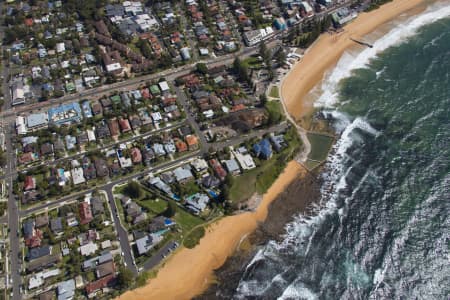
[300,232]
[298,291]
[350,61]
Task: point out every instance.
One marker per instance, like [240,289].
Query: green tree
[170,210]
[264,52]
[2,158]
[134,190]
[263,99]
[241,70]
[202,68]
[125,278]
[280,57]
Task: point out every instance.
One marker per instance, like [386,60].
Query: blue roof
[263,149]
[87,109]
[70,112]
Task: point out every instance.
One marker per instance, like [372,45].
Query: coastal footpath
[192,269]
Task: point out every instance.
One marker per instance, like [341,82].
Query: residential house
[99,284]
[105,269]
[140,218]
[133,210]
[97,206]
[135,122]
[148,156]
[232,167]
[278,142]
[46,149]
[32,235]
[66,290]
[197,202]
[218,169]
[77,176]
[210,181]
[192,142]
[124,125]
[183,174]
[200,165]
[96,108]
[88,249]
[263,149]
[41,220]
[85,213]
[113,125]
[102,131]
[101,167]
[146,243]
[159,184]
[38,252]
[29,183]
[56,225]
[180,145]
[136,156]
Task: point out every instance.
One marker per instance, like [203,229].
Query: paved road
[159,255]
[80,154]
[122,232]
[182,98]
[165,165]
[13,209]
[242,138]
[13,212]
[13,221]
[128,84]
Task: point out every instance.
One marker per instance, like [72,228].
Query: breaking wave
[363,238]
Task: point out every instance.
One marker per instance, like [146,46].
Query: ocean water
[382,227]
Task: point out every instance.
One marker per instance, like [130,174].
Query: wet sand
[190,271]
[326,51]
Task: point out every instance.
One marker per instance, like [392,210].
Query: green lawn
[275,110]
[274,92]
[261,178]
[269,174]
[252,62]
[320,146]
[186,220]
[244,186]
[156,206]
[193,238]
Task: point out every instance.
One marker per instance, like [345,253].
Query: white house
[77,176]
[60,47]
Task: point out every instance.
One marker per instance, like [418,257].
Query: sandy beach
[326,51]
[190,271]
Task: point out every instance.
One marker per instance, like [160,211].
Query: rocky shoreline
[296,198]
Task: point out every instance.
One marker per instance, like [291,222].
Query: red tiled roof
[99,284]
[35,240]
[29,183]
[191,140]
[238,107]
[181,146]
[29,21]
[85,213]
[136,155]
[124,125]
